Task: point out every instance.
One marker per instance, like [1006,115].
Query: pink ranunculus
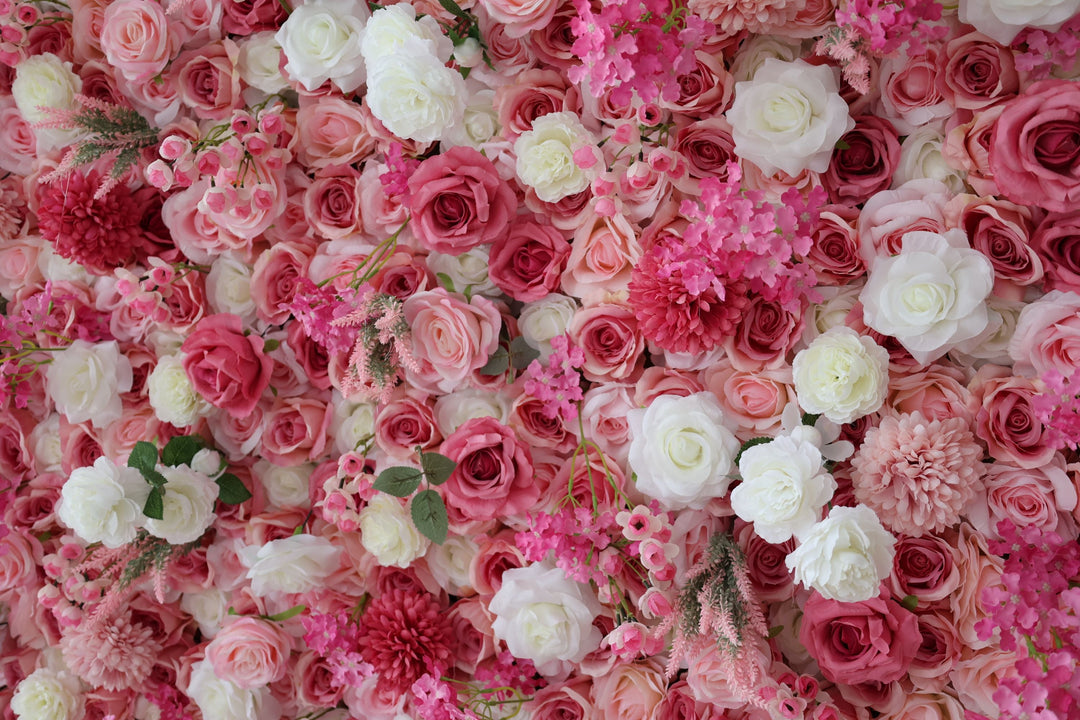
[866,165]
[225,366]
[493,477]
[527,262]
[451,338]
[294,430]
[138,39]
[250,653]
[458,201]
[1035,149]
[870,641]
[1057,241]
[1047,336]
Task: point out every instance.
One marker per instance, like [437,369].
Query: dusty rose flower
[115,655]
[757,16]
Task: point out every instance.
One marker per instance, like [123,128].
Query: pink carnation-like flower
[405,635]
[757,16]
[116,655]
[917,474]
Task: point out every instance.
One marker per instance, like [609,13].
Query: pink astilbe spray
[557,386]
[382,348]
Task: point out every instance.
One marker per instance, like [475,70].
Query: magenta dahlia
[404,635]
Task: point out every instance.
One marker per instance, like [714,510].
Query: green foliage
[231,490]
[399,481]
[429,515]
[181,450]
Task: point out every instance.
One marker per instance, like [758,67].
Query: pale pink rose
[19,263]
[87,22]
[1006,419]
[292,224]
[929,706]
[530,95]
[520,16]
[642,188]
[404,423]
[332,203]
[910,96]
[335,260]
[812,20]
[472,628]
[373,701]
[571,700]
[753,400]
[451,338]
[294,430]
[705,91]
[1047,336]
[194,233]
[313,681]
[33,508]
[275,277]
[331,131]
[602,255]
[247,209]
[630,691]
[979,570]
[382,214]
[137,423]
[81,448]
[1043,497]
[497,554]
[200,22]
[886,216]
[20,555]
[573,479]
[938,653]
[138,39]
[598,113]
[250,653]
[977,675]
[608,335]
[603,413]
[775,185]
[967,147]
[938,391]
[18,143]
[236,436]
[208,79]
[1001,231]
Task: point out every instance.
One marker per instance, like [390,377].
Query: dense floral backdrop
[620,360]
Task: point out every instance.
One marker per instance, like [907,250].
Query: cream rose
[466,270]
[286,487]
[1003,20]
[85,381]
[842,375]
[414,95]
[321,40]
[352,424]
[48,695]
[388,533]
[258,62]
[392,28]
[103,503]
[543,319]
[228,288]
[188,506]
[171,395]
[46,81]
[222,700]
[545,156]
[296,564]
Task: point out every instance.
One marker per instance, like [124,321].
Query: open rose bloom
[553,359]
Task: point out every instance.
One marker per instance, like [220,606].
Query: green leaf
[522,353]
[810,418]
[910,602]
[437,468]
[429,515]
[231,490]
[841,145]
[143,457]
[181,450]
[155,504]
[271,344]
[287,614]
[497,364]
[454,9]
[399,481]
[749,444]
[446,281]
[774,631]
[467,292]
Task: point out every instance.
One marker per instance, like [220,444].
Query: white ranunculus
[388,532]
[681,451]
[222,700]
[1003,20]
[258,63]
[85,381]
[842,375]
[789,117]
[845,556]
[545,156]
[543,319]
[286,487]
[188,505]
[171,395]
[46,81]
[783,489]
[228,288]
[931,296]
[104,503]
[414,95]
[389,31]
[458,407]
[296,564]
[544,617]
[321,40]
[48,695]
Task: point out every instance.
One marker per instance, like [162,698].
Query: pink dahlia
[405,635]
[115,655]
[757,16]
[916,474]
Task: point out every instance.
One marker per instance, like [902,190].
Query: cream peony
[414,95]
[85,381]
[188,506]
[545,156]
[681,450]
[931,296]
[321,40]
[48,695]
[845,556]
[388,533]
[789,117]
[842,375]
[171,395]
[296,564]
[46,81]
[103,503]
[1003,20]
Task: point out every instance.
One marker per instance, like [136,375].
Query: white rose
[104,503]
[469,270]
[458,407]
[321,40]
[756,49]
[352,424]
[393,28]
[544,617]
[1003,20]
[842,375]
[831,311]
[171,395]
[544,319]
[783,488]
[450,562]
[209,462]
[992,344]
[48,695]
[222,700]
[921,158]
[46,81]
[258,63]
[789,117]
[58,268]
[209,608]
[188,506]
[387,532]
[545,156]
[681,451]
[45,445]
[414,95]
[931,296]
[845,556]
[85,381]
[228,288]
[480,123]
[286,487]
[296,564]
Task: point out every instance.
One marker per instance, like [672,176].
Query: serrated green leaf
[399,481]
[749,444]
[143,457]
[429,516]
[287,614]
[454,9]
[446,281]
[437,468]
[522,353]
[231,490]
[155,504]
[497,364]
[181,450]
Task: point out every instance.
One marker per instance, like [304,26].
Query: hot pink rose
[331,131]
[493,477]
[526,264]
[870,641]
[1048,336]
[138,39]
[1035,150]
[250,653]
[866,165]
[608,335]
[1057,240]
[225,366]
[294,430]
[208,79]
[450,338]
[458,201]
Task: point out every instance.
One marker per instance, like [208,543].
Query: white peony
[931,296]
[258,63]
[171,395]
[394,28]
[842,375]
[681,451]
[222,700]
[783,489]
[544,617]
[85,381]
[1003,20]
[188,506]
[414,95]
[45,81]
[296,564]
[545,156]
[387,532]
[48,695]
[321,40]
[845,556]
[789,117]
[104,503]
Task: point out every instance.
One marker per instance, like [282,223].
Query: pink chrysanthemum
[757,16]
[116,655]
[917,475]
[405,635]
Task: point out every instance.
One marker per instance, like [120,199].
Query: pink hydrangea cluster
[576,537]
[1059,408]
[318,308]
[1048,51]
[557,386]
[335,636]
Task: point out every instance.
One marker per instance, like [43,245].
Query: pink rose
[1001,231]
[87,22]
[18,143]
[764,336]
[707,146]
[603,414]
[1057,241]
[937,391]
[138,39]
[602,256]
[873,641]
[909,91]
[476,642]
[938,653]
[834,256]
[331,131]
[657,381]
[521,16]
[208,79]
[313,680]
[532,94]
[20,554]
[332,203]
[572,479]
[931,706]
[570,700]
[527,262]
[225,366]
[769,574]
[498,553]
[1006,420]
[404,423]
[866,165]
[451,338]
[630,691]
[274,279]
[493,477]
[537,429]
[244,17]
[1034,152]
[294,430]
[195,234]
[1043,497]
[977,72]
[34,504]
[926,568]
[250,653]
[888,215]
[705,91]
[608,335]
[679,704]
[1047,336]
[979,570]
[967,147]
[754,400]
[977,677]
[458,201]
